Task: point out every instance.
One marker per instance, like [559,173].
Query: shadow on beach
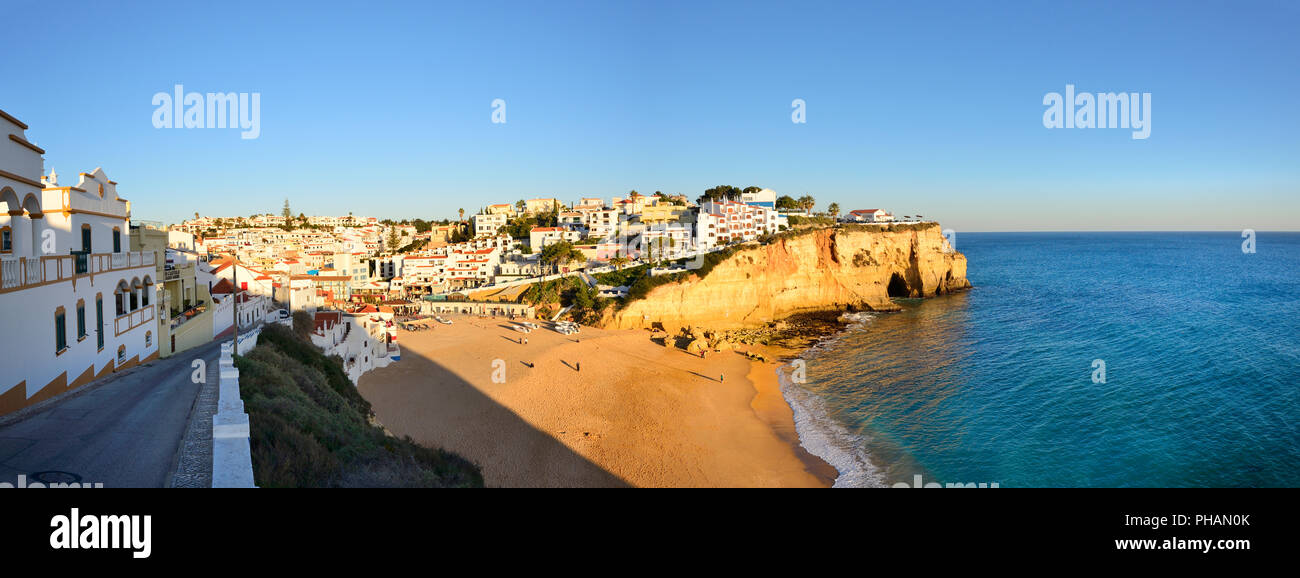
[419,397]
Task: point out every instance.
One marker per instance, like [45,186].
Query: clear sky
[384,108]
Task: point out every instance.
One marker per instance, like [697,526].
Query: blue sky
[384,109]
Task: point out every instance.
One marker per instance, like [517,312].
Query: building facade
[86,304]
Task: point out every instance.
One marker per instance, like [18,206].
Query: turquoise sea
[1200,343]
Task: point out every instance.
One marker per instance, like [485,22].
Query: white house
[869,216]
[540,237]
[77,302]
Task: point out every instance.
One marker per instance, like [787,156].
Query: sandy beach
[600,408]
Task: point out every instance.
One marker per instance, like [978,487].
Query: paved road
[124,433]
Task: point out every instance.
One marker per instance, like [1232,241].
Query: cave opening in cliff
[898,287]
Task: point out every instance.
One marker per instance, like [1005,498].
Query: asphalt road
[123,433]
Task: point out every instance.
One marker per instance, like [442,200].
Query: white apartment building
[424,274]
[81,304]
[721,222]
[602,223]
[666,240]
[488,224]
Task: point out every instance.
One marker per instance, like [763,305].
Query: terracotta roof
[223,287]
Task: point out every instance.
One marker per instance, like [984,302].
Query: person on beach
[721,378]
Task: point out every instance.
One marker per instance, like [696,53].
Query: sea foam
[827,439]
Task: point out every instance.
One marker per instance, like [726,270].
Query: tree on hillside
[462,213]
[559,254]
[786,203]
[286,212]
[392,238]
[719,193]
[520,205]
[833,209]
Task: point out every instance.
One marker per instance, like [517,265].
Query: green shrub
[309,427]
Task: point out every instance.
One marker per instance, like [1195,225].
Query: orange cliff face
[855,267]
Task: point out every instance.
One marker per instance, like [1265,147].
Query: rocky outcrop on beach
[849,268]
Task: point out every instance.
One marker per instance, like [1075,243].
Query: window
[81,319]
[6,240]
[99,320]
[117,240]
[85,238]
[60,330]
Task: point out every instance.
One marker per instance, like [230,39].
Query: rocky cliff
[855,267]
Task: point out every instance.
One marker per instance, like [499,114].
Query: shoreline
[772,407]
[635,413]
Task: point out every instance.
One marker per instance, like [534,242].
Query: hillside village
[100,292]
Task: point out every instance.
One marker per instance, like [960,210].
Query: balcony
[18,273]
[133,319]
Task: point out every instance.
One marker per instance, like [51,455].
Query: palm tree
[834,210]
[462,214]
[807,202]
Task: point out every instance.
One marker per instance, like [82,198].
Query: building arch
[120,297]
[135,293]
[32,204]
[13,205]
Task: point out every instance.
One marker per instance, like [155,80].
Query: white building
[488,224]
[540,237]
[79,304]
[601,223]
[764,198]
[721,222]
[869,216]
[539,206]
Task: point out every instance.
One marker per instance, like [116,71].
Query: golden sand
[601,408]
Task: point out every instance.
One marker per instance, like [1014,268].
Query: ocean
[1078,359]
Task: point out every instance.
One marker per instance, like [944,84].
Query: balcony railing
[133,319]
[22,272]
